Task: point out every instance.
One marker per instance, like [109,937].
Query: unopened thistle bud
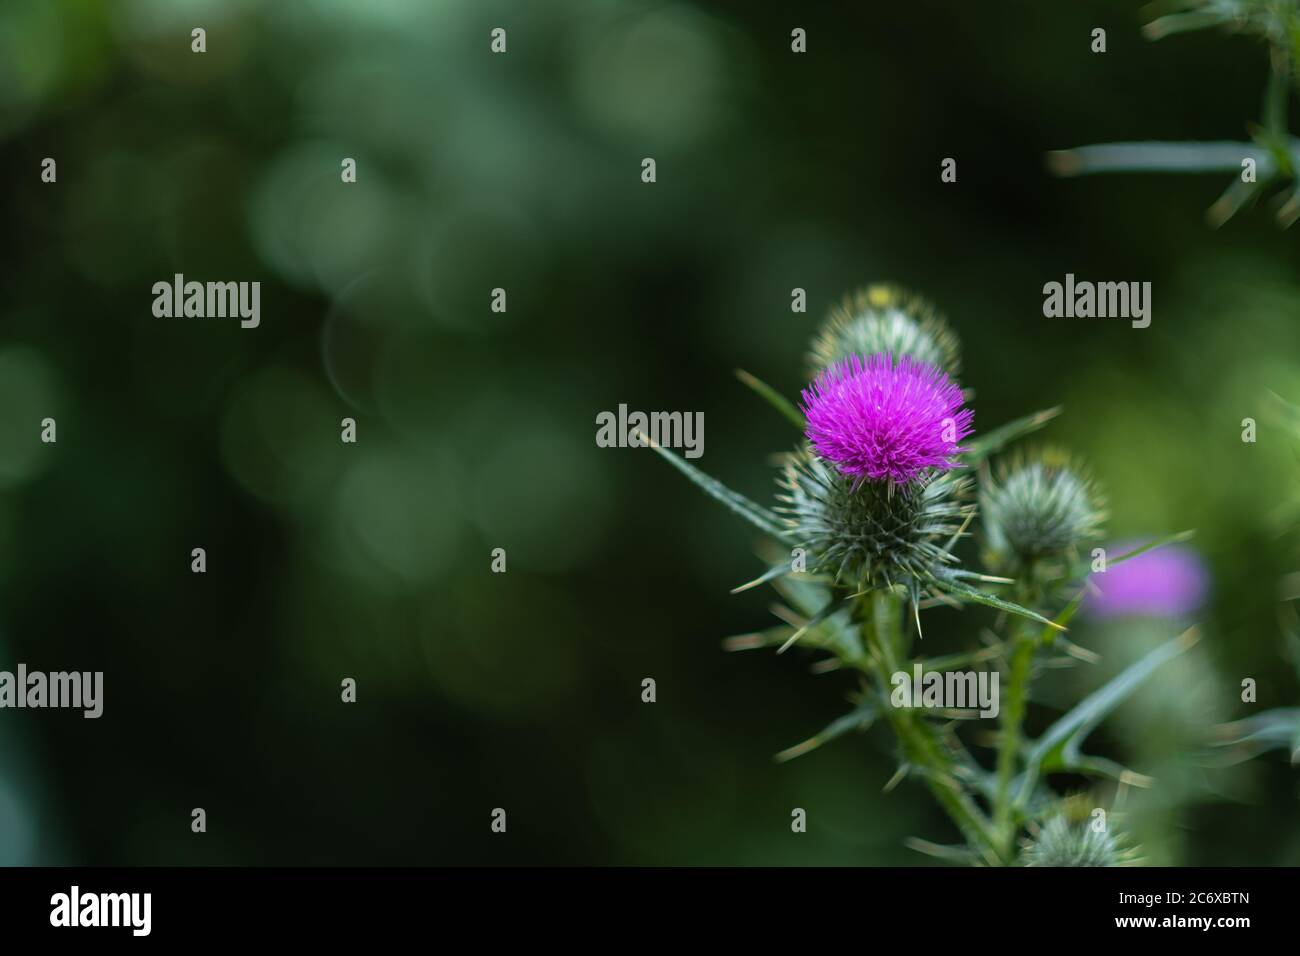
[885,318]
[1037,507]
[1062,843]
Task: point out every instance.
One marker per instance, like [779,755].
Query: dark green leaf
[758,516]
[960,589]
[982,446]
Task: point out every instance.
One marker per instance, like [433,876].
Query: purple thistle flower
[877,419]
[1166,582]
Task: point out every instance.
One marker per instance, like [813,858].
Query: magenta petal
[882,420]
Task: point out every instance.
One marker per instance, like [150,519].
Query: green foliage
[1057,750]
[1273,152]
[759,517]
[1275,729]
[981,446]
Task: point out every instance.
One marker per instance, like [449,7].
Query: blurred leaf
[805,592]
[1288,414]
[1098,767]
[986,444]
[837,633]
[756,515]
[949,662]
[1177,538]
[951,585]
[858,719]
[1066,615]
[1058,747]
[1223,14]
[1235,198]
[831,607]
[1277,729]
[755,640]
[1153,157]
[1288,209]
[771,573]
[960,855]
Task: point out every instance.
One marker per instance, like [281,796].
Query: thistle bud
[1038,507]
[885,318]
[1062,843]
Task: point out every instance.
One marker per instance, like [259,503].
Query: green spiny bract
[1061,843]
[885,318]
[872,534]
[1039,507]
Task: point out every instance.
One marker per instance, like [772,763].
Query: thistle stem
[1276,98]
[1013,717]
[1276,93]
[882,617]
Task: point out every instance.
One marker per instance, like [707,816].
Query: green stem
[1009,743]
[1277,92]
[881,613]
[1276,98]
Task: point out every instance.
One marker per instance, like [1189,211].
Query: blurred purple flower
[874,418]
[1167,582]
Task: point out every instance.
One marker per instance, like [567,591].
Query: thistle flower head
[1040,505]
[873,534]
[1062,843]
[885,318]
[878,419]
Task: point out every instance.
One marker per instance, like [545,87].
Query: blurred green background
[476,429]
